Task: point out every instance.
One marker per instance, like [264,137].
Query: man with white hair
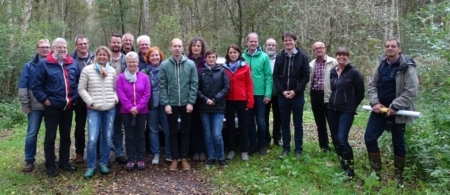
[55,85]
[127,43]
[144,45]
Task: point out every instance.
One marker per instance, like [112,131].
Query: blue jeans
[212,124]
[105,120]
[257,138]
[156,117]
[375,128]
[340,123]
[294,106]
[118,133]
[34,123]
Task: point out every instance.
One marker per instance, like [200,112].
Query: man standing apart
[393,86]
[55,86]
[262,81]
[290,75]
[320,92]
[178,84]
[127,43]
[30,106]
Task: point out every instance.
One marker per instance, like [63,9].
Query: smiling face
[252,42]
[132,64]
[319,49]
[155,58]
[233,54]
[143,46]
[82,45]
[115,44]
[42,49]
[342,59]
[60,49]
[289,43]
[392,49]
[102,56]
[128,41]
[176,47]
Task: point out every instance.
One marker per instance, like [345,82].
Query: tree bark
[146,25]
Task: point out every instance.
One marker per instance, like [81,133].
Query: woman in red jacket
[239,99]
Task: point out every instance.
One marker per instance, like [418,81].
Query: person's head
[270,47]
[127,41]
[43,48]
[132,61]
[211,57]
[233,54]
[252,41]
[102,55]
[319,49]
[197,47]
[176,47]
[289,40]
[342,55]
[82,44]
[59,48]
[115,42]
[392,48]
[143,43]
[154,56]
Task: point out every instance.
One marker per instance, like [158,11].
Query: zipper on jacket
[66,83]
[289,73]
[178,65]
[103,92]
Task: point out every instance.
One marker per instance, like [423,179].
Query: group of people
[118,91]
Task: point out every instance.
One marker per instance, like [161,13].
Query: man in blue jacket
[55,85]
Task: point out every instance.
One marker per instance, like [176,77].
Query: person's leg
[165,125]
[129,137]
[196,135]
[276,126]
[267,121]
[94,121]
[153,124]
[251,129]
[80,125]
[141,119]
[285,113]
[241,107]
[230,131]
[118,133]
[172,119]
[375,128]
[297,104]
[217,123]
[259,116]
[318,108]
[207,126]
[398,142]
[34,124]
[51,120]
[185,128]
[65,124]
[108,117]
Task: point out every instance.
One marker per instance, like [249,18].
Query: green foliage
[10,113]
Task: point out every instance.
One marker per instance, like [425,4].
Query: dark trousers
[53,118]
[340,124]
[80,124]
[276,125]
[375,128]
[319,109]
[294,106]
[257,136]
[179,111]
[134,136]
[197,134]
[239,108]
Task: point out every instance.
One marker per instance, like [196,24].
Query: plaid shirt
[318,75]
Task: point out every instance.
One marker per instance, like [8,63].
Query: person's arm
[249,86]
[200,94]
[410,90]
[277,72]
[358,80]
[301,86]
[39,82]
[23,89]
[125,102]
[82,88]
[163,82]
[143,100]
[193,85]
[225,89]
[268,79]
[372,88]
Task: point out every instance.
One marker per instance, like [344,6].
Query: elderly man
[320,92]
[127,43]
[30,106]
[143,43]
[55,85]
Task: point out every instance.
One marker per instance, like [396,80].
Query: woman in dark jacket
[347,92]
[213,88]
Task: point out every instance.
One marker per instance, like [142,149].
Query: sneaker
[284,154]
[104,169]
[68,168]
[130,166]
[230,155]
[29,166]
[196,157]
[89,173]
[121,160]
[173,166]
[141,165]
[262,151]
[202,156]
[210,162]
[244,156]
[155,160]
[52,172]
[79,159]
[223,163]
[168,158]
[185,165]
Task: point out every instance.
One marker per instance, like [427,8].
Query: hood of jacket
[50,59]
[404,61]
[183,59]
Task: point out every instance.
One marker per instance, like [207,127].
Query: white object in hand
[399,112]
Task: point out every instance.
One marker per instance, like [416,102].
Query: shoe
[251,151]
[104,169]
[244,156]
[89,173]
[223,163]
[155,160]
[262,151]
[202,156]
[29,166]
[298,155]
[230,155]
[130,166]
[375,163]
[284,154]
[121,160]
[326,150]
[185,165]
[52,172]
[342,164]
[277,143]
[173,166]
[399,166]
[168,158]
[267,144]
[141,165]
[79,159]
[196,157]
[210,162]
[68,168]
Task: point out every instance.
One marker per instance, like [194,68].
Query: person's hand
[189,108]
[47,103]
[377,108]
[390,112]
[286,94]
[134,111]
[209,102]
[168,109]
[266,100]
[26,110]
[291,94]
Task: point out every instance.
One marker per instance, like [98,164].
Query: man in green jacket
[178,84]
[262,83]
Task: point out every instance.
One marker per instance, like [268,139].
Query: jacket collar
[50,59]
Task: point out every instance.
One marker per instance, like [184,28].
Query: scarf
[103,71]
[234,66]
[130,77]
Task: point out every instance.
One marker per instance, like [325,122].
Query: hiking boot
[196,157]
[375,163]
[104,169]
[348,158]
[223,163]
[244,156]
[79,159]
[173,166]
[230,155]
[52,172]
[262,151]
[342,163]
[399,165]
[155,160]
[202,156]
[210,162]
[141,165]
[284,154]
[89,173]
[121,160]
[185,165]
[29,166]
[130,166]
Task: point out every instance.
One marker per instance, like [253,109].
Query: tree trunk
[26,15]
[146,25]
[121,16]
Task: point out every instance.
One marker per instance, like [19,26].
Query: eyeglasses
[43,47]
[82,44]
[60,47]
[317,48]
[390,46]
[132,62]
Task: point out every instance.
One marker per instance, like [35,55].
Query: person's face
[155,59]
[176,48]
[271,47]
[102,56]
[289,43]
[342,59]
[319,50]
[60,49]
[196,48]
[115,44]
[233,54]
[211,59]
[391,49]
[128,41]
[132,64]
[143,46]
[43,49]
[82,45]
[252,42]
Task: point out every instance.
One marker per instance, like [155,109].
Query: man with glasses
[30,106]
[55,86]
[127,43]
[143,43]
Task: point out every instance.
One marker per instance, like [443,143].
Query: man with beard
[117,62]
[127,43]
[55,85]
[270,48]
